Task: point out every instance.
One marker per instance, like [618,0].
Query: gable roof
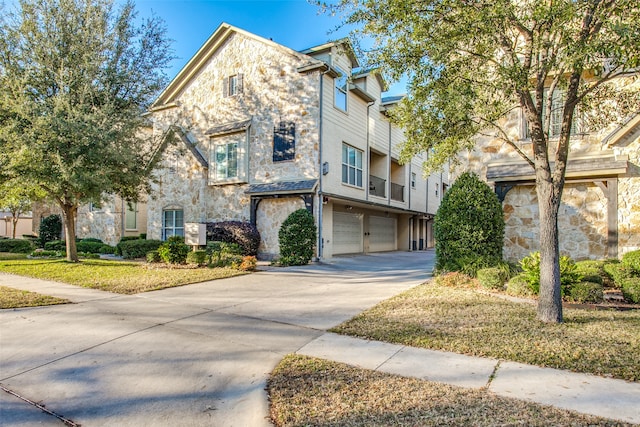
[344,44]
[623,132]
[202,56]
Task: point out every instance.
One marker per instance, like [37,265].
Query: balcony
[377,186]
[397,192]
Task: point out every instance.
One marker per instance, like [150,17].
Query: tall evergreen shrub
[469,226]
[50,229]
[297,238]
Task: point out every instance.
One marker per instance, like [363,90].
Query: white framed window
[131,217]
[172,223]
[227,159]
[351,165]
[413,179]
[233,85]
[340,91]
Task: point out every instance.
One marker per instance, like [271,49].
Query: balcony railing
[377,186]
[397,192]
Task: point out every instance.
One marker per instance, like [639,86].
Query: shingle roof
[284,187]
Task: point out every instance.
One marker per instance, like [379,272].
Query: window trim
[286,134]
[344,90]
[353,167]
[240,139]
[232,85]
[135,216]
[173,227]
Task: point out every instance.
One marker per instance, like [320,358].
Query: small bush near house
[297,237]
[241,233]
[153,257]
[90,246]
[43,253]
[131,249]
[617,273]
[248,263]
[631,289]
[591,271]
[223,254]
[519,286]
[55,245]
[16,246]
[107,249]
[492,278]
[50,229]
[469,224]
[118,250]
[531,269]
[197,257]
[586,292]
[174,250]
[632,260]
[456,279]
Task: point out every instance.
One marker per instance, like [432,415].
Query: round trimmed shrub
[243,234]
[130,249]
[617,273]
[631,289]
[469,224]
[297,238]
[174,250]
[22,246]
[591,271]
[519,286]
[492,278]
[153,257]
[586,292]
[632,260]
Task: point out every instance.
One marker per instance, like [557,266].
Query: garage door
[347,233]
[383,234]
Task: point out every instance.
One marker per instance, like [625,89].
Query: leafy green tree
[76,77]
[469,225]
[17,198]
[472,63]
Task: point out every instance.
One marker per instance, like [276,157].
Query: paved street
[187,356]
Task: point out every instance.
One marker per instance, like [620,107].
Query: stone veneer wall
[273,91]
[270,216]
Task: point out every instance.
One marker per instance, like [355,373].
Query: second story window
[284,142]
[351,165]
[413,180]
[232,85]
[227,159]
[554,126]
[340,92]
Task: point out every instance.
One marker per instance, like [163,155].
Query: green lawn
[114,276]
[468,321]
[306,391]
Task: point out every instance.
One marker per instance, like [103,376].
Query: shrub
[16,246]
[153,257]
[223,254]
[248,263]
[456,279]
[174,250]
[47,254]
[591,271]
[91,239]
[631,289]
[297,237]
[118,250]
[632,261]
[138,248]
[197,257]
[241,233]
[50,229]
[89,246]
[55,245]
[519,286]
[88,255]
[492,277]
[531,270]
[586,292]
[618,273]
[107,249]
[469,224]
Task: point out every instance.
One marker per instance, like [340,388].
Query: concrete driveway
[188,356]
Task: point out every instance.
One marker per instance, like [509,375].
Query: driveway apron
[186,356]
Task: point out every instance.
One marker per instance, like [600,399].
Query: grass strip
[15,298]
[467,321]
[306,391]
[114,276]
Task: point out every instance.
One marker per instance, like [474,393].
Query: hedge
[138,248]
[21,246]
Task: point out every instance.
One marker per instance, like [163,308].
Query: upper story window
[554,127]
[351,165]
[284,142]
[227,159]
[233,85]
[413,180]
[340,91]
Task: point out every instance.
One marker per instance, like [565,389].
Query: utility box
[195,234]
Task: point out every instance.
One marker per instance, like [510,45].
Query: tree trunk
[69,212]
[14,221]
[550,297]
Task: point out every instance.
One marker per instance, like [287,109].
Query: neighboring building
[265,130]
[23,226]
[600,212]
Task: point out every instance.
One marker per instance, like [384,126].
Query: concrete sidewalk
[588,394]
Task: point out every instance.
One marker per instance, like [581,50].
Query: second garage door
[382,234]
[347,233]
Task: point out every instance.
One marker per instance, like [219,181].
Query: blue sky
[296,24]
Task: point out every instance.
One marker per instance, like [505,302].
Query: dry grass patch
[306,391]
[465,320]
[14,298]
[9,255]
[114,276]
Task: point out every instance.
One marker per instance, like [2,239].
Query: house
[599,215]
[264,130]
[23,225]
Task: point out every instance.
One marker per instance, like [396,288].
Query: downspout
[389,169]
[320,193]
[369,105]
